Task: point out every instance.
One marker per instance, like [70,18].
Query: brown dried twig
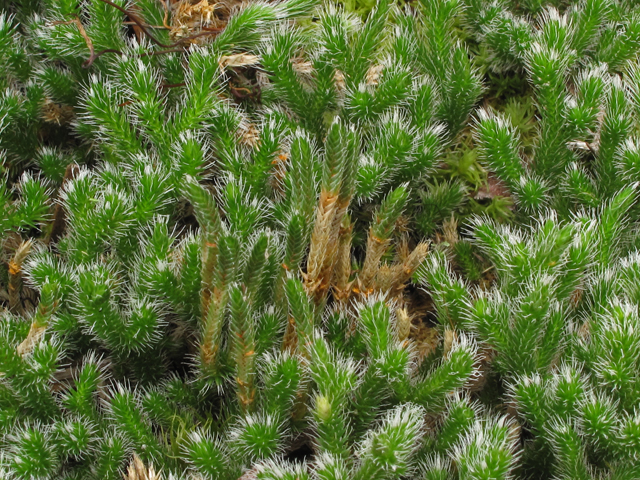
[15,276]
[134,18]
[169,48]
[143,27]
[92,54]
[148,26]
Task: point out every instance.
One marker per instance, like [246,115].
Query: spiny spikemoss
[284,241]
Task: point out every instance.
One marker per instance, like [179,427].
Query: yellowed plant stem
[342,271]
[15,277]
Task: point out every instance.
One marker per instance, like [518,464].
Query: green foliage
[215,239]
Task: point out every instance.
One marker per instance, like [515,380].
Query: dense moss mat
[292,240]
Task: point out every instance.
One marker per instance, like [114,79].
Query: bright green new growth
[214,263]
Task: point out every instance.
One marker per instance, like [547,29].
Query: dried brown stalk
[290,339]
[188,18]
[92,54]
[403,321]
[15,277]
[134,18]
[137,470]
[383,280]
[450,231]
[238,60]
[450,336]
[323,248]
[332,246]
[209,259]
[402,273]
[248,134]
[210,344]
[376,248]
[342,271]
[142,27]
[246,394]
[53,112]
[425,340]
[36,332]
[45,311]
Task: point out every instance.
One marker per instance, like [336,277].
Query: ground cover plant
[305,240]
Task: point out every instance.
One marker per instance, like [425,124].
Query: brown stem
[148,26]
[173,85]
[213,31]
[342,271]
[15,277]
[83,32]
[139,23]
[94,56]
